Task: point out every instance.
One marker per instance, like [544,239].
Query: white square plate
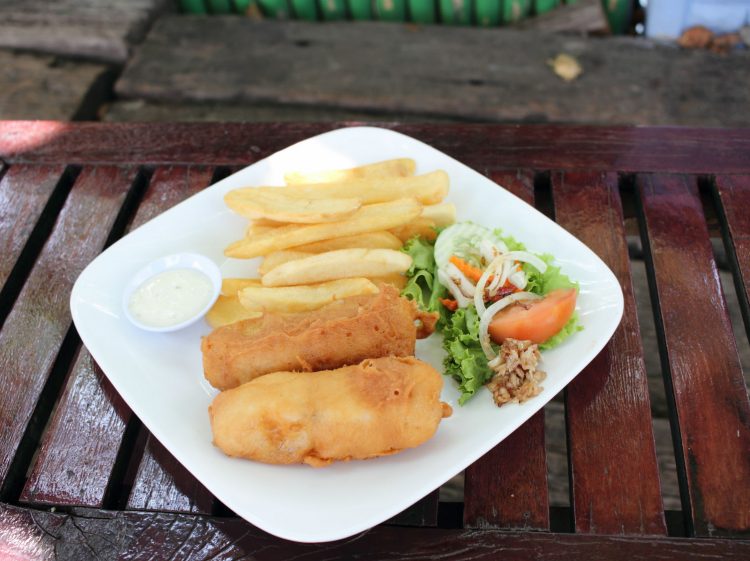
[160,375]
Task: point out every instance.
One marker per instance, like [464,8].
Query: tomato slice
[534,320]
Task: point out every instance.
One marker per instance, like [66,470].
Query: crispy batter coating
[376,408]
[344,332]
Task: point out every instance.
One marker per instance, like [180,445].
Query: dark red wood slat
[80,444]
[734,197]
[40,318]
[658,149]
[24,192]
[85,534]
[89,422]
[614,472]
[707,387]
[163,484]
[507,487]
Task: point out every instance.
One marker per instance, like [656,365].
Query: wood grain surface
[483,147]
[613,470]
[734,204]
[88,534]
[24,193]
[507,487]
[87,429]
[40,319]
[482,74]
[711,415]
[98,29]
[163,484]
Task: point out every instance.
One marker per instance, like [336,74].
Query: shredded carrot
[452,305]
[472,273]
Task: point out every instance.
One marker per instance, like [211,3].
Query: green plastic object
[456,12]
[618,14]
[305,9]
[274,8]
[488,12]
[360,9]
[220,6]
[541,6]
[242,5]
[515,10]
[193,6]
[422,11]
[333,10]
[391,10]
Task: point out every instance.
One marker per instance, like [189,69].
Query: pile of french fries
[329,235]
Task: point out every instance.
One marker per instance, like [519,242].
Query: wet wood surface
[86,432]
[483,147]
[68,440]
[734,199]
[711,413]
[38,324]
[607,405]
[87,534]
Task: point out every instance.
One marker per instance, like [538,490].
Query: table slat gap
[93,431]
[32,196]
[507,487]
[163,484]
[41,312]
[703,377]
[608,410]
[732,199]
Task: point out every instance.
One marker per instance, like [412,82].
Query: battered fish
[344,332]
[375,408]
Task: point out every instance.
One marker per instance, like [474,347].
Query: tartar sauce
[170,298]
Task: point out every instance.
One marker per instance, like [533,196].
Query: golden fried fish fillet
[375,408]
[344,332]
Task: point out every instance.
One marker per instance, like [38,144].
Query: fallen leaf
[697,37]
[566,67]
[723,44]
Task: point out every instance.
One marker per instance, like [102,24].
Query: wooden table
[81,478]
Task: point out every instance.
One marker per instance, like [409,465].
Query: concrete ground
[157,67]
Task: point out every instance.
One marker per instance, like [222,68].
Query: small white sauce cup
[194,261]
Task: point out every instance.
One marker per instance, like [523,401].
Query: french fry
[443,214]
[273,260]
[429,188]
[256,228]
[420,226]
[227,309]
[339,264]
[370,240]
[397,279]
[370,218]
[282,205]
[292,299]
[401,167]
[230,286]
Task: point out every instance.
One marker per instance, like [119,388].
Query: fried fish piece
[375,408]
[338,334]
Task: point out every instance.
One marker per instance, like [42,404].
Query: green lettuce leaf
[422,286]
[465,360]
[571,327]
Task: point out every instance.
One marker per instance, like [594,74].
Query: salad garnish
[498,305]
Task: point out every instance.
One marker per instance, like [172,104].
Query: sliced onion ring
[527,257]
[489,313]
[482,282]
